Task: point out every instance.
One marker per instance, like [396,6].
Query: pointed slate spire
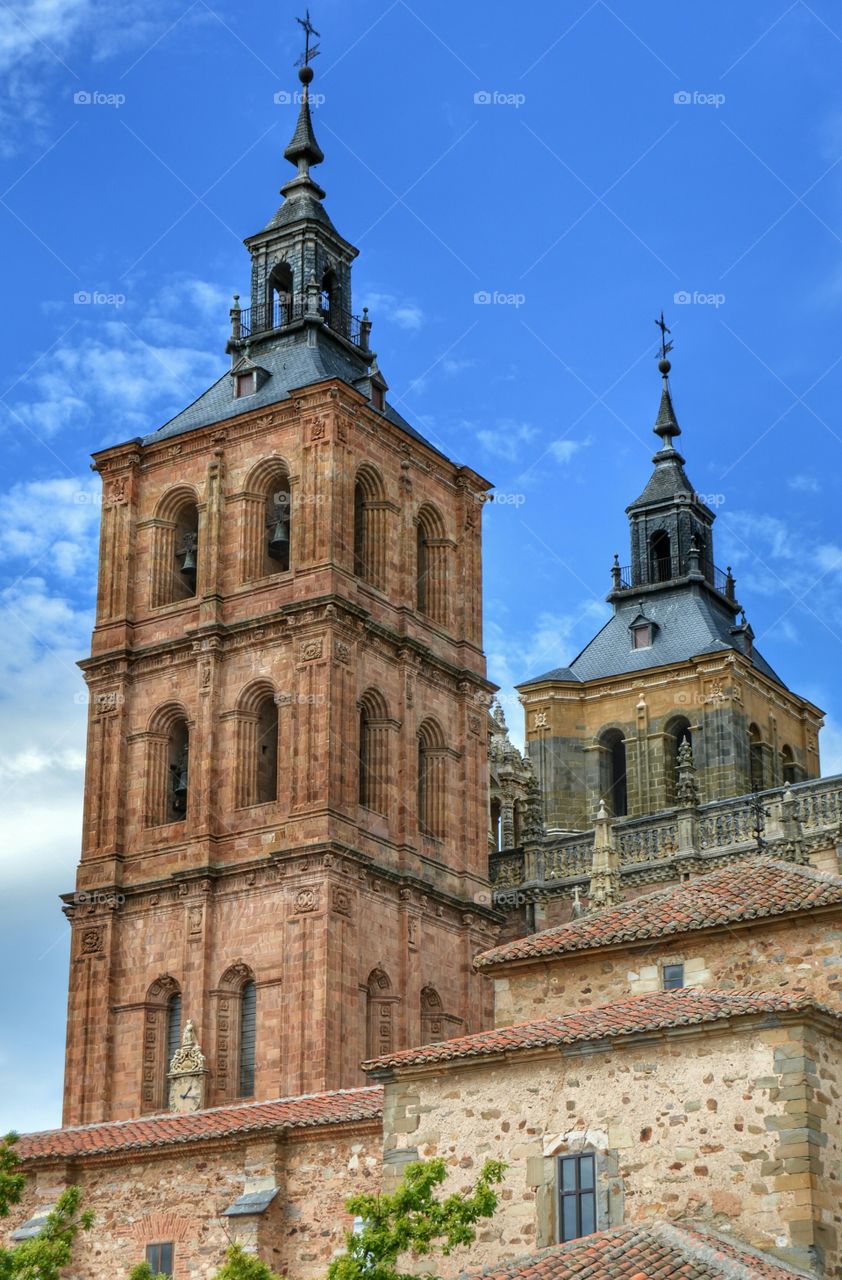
[303,149]
[666,425]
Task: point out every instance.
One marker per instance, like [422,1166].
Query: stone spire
[303,150]
[666,424]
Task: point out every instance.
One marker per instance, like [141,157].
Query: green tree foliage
[143,1271]
[240,1265]
[413,1220]
[43,1256]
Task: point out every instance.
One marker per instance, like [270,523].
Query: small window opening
[672,977]
[245,384]
[160,1259]
[576,1197]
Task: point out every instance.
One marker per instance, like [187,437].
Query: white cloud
[506,439]
[386,307]
[805,483]
[564,450]
[51,525]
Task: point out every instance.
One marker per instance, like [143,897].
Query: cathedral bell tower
[285,826]
[674,667]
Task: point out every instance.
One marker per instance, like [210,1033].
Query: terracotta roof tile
[304,1111]
[750,890]
[644,1252]
[651,1012]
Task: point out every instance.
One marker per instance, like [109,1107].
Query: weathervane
[309,30]
[666,347]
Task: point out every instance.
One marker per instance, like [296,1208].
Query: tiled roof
[651,1251]
[689,622]
[305,1111]
[651,1012]
[750,890]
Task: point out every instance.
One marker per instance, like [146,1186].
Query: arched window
[248,1038]
[432,1017]
[370,528]
[788,766]
[279,297]
[256,774]
[236,1034]
[660,557]
[173,1026]
[168,767]
[379,1006]
[161,1038]
[495,823]
[432,780]
[676,732]
[267,524]
[431,566]
[614,786]
[374,764]
[755,751]
[175,551]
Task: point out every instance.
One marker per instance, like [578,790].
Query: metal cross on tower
[666,347]
[309,30]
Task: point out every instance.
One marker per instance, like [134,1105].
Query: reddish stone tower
[285,832]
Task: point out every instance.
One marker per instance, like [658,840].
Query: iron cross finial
[309,30]
[666,347]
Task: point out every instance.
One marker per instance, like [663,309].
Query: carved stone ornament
[91,941]
[310,650]
[342,651]
[342,901]
[307,900]
[187,1074]
[105,702]
[189,1057]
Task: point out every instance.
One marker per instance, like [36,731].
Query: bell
[278,546]
[187,556]
[179,785]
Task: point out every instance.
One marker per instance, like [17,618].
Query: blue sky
[585,166]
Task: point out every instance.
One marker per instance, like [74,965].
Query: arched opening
[279,297]
[161,1038]
[369,528]
[431,566]
[329,299]
[277,525]
[755,751]
[178,764]
[432,1017]
[432,761]
[789,770]
[379,1037]
[374,764]
[248,1039]
[677,731]
[660,556]
[614,786]
[267,751]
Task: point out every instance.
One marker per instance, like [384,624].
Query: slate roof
[751,890]
[689,622]
[646,1251]
[654,1011]
[344,1106]
[292,364]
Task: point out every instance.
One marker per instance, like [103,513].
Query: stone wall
[803,951]
[177,1195]
[726,1127]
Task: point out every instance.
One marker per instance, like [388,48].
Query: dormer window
[378,399]
[642,635]
[245,384]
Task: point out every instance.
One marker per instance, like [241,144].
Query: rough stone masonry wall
[724,1128]
[142,1198]
[805,951]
